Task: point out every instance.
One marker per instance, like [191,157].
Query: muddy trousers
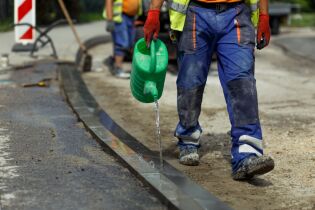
[232,36]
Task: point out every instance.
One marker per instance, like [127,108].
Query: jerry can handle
[153,56]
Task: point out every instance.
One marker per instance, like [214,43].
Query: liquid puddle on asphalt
[158,132]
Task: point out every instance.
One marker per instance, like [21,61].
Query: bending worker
[224,26]
[120,16]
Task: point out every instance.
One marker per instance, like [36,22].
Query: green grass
[307,20]
[6,25]
[90,17]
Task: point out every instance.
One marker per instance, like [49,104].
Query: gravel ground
[287,99]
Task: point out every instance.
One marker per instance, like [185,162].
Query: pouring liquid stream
[158,132]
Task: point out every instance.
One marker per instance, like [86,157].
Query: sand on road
[286,92]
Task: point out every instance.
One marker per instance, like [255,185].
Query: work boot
[120,73]
[188,155]
[115,70]
[109,62]
[252,166]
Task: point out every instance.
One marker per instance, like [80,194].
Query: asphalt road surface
[300,44]
[48,160]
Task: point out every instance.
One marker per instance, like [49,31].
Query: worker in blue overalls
[224,26]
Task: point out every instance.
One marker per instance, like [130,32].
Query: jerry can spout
[151,90]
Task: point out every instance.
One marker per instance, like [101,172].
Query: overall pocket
[244,27]
[188,37]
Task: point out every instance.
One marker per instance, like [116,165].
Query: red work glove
[263,31]
[152,26]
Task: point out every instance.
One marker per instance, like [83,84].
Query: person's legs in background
[122,40]
[132,36]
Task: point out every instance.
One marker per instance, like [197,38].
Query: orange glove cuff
[262,15]
[153,12]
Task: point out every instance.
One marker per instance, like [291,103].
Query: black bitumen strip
[173,188]
[90,43]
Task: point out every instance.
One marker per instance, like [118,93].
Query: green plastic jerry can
[148,70]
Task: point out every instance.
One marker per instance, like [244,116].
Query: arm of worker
[110,25]
[152,24]
[263,31]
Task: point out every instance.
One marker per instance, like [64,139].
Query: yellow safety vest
[118,8]
[178,9]
[254,5]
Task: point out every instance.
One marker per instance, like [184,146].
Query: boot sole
[192,160]
[262,166]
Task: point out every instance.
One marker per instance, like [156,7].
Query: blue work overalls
[232,36]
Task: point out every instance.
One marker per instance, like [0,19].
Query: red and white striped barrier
[24,12]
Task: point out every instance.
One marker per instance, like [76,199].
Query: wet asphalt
[48,160]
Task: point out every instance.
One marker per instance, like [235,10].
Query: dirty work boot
[252,166]
[188,155]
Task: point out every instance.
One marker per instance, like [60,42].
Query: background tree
[6,9]
[49,11]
